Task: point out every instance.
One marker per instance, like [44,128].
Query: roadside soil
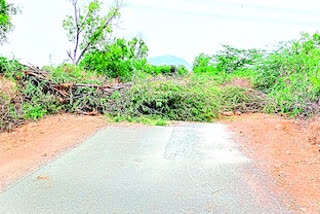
[34,144]
[283,147]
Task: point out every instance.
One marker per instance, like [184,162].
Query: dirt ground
[283,147]
[36,143]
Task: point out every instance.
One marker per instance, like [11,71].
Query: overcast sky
[183,28]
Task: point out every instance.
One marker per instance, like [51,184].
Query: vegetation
[289,76]
[112,76]
[6,11]
[87,29]
[120,59]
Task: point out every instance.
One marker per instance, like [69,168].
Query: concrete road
[189,168]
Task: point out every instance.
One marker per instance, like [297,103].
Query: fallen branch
[72,93]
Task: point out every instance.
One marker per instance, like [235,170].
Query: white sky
[183,28]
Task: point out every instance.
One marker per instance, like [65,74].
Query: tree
[119,59]
[89,29]
[6,11]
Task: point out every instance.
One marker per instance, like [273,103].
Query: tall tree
[6,11]
[87,28]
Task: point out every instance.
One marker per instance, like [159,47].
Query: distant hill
[169,60]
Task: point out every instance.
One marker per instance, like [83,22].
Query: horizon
[182,28]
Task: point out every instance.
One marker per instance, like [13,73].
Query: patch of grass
[32,112]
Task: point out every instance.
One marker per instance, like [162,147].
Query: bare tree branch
[79,24]
[76,19]
[118,4]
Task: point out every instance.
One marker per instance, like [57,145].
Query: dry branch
[66,93]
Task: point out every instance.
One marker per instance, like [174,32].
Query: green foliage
[10,68]
[166,70]
[121,59]
[235,98]
[37,103]
[169,99]
[285,81]
[232,59]
[84,98]
[204,64]
[227,61]
[6,11]
[185,99]
[33,112]
[290,76]
[69,73]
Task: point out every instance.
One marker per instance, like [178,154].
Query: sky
[184,28]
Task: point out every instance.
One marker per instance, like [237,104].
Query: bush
[290,76]
[204,64]
[10,68]
[231,59]
[69,73]
[166,70]
[37,103]
[244,100]
[169,99]
[121,59]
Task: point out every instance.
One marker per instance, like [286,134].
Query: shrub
[10,68]
[69,73]
[37,103]
[231,59]
[204,64]
[120,59]
[169,99]
[290,76]
[244,100]
[167,70]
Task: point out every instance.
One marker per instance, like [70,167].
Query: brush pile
[79,98]
[29,93]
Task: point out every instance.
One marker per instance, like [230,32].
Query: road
[187,168]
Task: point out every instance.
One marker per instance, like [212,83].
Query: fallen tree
[78,96]
[35,93]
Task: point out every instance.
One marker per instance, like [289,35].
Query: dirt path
[282,147]
[34,144]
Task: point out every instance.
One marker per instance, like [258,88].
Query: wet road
[189,168]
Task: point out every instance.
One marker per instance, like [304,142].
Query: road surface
[187,168]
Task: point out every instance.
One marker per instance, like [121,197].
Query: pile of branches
[87,99]
[10,112]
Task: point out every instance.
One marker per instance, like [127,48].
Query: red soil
[283,147]
[36,143]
